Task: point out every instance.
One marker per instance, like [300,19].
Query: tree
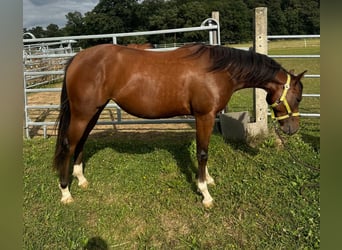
[276,18]
[292,8]
[53,30]
[120,13]
[235,21]
[310,15]
[38,31]
[74,25]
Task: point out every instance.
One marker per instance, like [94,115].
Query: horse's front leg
[208,178]
[78,172]
[202,180]
[204,126]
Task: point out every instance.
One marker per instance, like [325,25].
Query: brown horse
[193,80]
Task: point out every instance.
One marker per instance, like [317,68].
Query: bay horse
[193,80]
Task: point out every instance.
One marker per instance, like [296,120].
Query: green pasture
[143,193]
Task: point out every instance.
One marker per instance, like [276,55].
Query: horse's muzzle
[290,126]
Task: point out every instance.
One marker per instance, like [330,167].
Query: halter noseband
[286,104]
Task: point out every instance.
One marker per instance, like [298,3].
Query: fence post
[259,95]
[215,15]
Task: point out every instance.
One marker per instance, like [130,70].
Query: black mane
[247,66]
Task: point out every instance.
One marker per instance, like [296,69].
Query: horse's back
[144,83]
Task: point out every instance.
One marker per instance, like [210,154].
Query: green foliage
[236,19]
[74,24]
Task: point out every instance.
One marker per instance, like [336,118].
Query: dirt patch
[44,98]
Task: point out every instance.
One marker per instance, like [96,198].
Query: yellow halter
[283,100]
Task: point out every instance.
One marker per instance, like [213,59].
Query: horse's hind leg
[78,165]
[75,132]
[78,131]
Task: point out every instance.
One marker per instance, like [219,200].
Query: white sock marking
[66,195]
[208,178]
[78,173]
[207,199]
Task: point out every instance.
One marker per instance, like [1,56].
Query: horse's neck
[246,85]
[267,85]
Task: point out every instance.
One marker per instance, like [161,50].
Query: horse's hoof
[208,204]
[84,184]
[211,182]
[67,200]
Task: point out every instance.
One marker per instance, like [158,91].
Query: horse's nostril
[290,130]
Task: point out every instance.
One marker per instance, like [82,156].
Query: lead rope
[297,161]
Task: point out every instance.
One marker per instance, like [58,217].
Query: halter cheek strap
[284,101]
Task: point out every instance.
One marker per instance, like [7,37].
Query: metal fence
[44,60]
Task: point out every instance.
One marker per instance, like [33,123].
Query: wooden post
[260,46]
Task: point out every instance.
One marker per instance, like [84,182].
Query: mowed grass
[143,193]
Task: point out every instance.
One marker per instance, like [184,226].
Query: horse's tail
[63,121]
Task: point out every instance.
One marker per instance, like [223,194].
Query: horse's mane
[242,65]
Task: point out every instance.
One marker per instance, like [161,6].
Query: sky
[44,12]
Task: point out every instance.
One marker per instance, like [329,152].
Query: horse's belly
[153,108]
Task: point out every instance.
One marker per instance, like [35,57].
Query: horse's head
[284,100]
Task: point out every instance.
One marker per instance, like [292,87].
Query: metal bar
[56,106]
[43,90]
[303,114]
[34,73]
[312,95]
[139,33]
[295,56]
[312,76]
[310,115]
[292,36]
[128,122]
[48,56]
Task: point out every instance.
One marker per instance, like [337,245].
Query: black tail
[63,120]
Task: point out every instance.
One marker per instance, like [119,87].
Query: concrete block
[234,125]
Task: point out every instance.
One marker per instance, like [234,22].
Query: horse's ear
[301,75]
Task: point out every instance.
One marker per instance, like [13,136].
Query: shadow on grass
[96,243]
[314,141]
[177,143]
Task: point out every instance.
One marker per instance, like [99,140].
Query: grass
[143,194]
